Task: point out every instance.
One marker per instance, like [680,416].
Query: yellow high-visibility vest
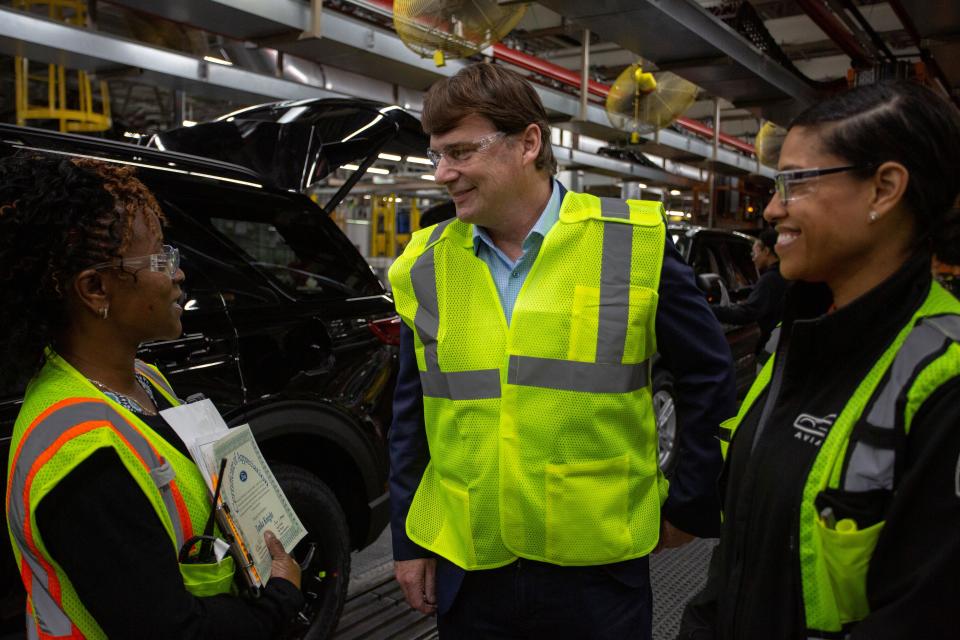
[542,435]
[64,419]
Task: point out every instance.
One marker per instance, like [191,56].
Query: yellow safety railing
[74,112]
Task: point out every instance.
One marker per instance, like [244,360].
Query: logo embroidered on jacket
[811,429]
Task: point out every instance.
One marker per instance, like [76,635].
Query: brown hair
[501,96]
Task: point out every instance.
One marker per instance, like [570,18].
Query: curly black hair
[57,217]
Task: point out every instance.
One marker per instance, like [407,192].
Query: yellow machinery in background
[391,226]
[76,113]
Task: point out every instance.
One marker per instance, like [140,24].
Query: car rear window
[284,236]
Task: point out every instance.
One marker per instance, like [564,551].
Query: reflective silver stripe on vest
[872,467]
[614,316]
[43,435]
[423,277]
[567,375]
[51,618]
[614,208]
[453,385]
[461,385]
[157,380]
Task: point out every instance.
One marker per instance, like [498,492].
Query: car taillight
[387,330]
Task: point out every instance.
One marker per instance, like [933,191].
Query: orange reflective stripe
[26,432]
[186,525]
[53,583]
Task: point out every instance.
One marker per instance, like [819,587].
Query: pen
[829,520]
[206,547]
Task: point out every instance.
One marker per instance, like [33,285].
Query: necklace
[127,401]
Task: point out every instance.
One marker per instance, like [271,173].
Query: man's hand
[671,537]
[282,565]
[417,578]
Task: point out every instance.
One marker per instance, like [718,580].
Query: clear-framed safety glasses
[800,183]
[167,262]
[461,152]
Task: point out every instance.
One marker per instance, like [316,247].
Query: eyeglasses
[799,183]
[461,152]
[167,262]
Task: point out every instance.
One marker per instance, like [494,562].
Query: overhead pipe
[925,56]
[573,79]
[869,30]
[828,22]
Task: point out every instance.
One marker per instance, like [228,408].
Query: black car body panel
[727,254]
[277,325]
[297,143]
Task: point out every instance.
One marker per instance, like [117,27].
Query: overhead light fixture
[131,134]
[398,199]
[641,185]
[417,160]
[390,156]
[366,197]
[216,60]
[429,177]
[353,167]
[189,123]
[674,192]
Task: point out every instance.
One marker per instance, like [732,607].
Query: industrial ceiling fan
[444,29]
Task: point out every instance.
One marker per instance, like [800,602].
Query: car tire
[324,583]
[665,414]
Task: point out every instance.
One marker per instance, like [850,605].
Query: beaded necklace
[126,401]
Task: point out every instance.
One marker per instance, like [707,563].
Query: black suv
[286,327]
[725,272]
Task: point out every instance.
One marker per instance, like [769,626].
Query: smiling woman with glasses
[102,493]
[841,494]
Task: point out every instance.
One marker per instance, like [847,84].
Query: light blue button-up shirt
[509,275]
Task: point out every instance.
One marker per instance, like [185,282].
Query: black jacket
[764,305]
[753,589]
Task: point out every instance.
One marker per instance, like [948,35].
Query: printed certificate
[254,498]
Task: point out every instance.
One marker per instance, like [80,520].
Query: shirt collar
[548,217]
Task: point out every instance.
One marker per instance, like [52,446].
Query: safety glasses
[800,183]
[167,262]
[461,152]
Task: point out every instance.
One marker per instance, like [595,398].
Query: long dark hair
[57,217]
[907,123]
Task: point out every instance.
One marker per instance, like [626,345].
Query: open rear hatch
[297,144]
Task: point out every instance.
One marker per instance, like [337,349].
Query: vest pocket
[211,579]
[587,519]
[456,533]
[846,554]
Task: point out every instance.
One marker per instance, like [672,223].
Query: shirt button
[515,274]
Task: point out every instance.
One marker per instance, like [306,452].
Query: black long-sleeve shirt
[103,532]
[764,305]
[753,588]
